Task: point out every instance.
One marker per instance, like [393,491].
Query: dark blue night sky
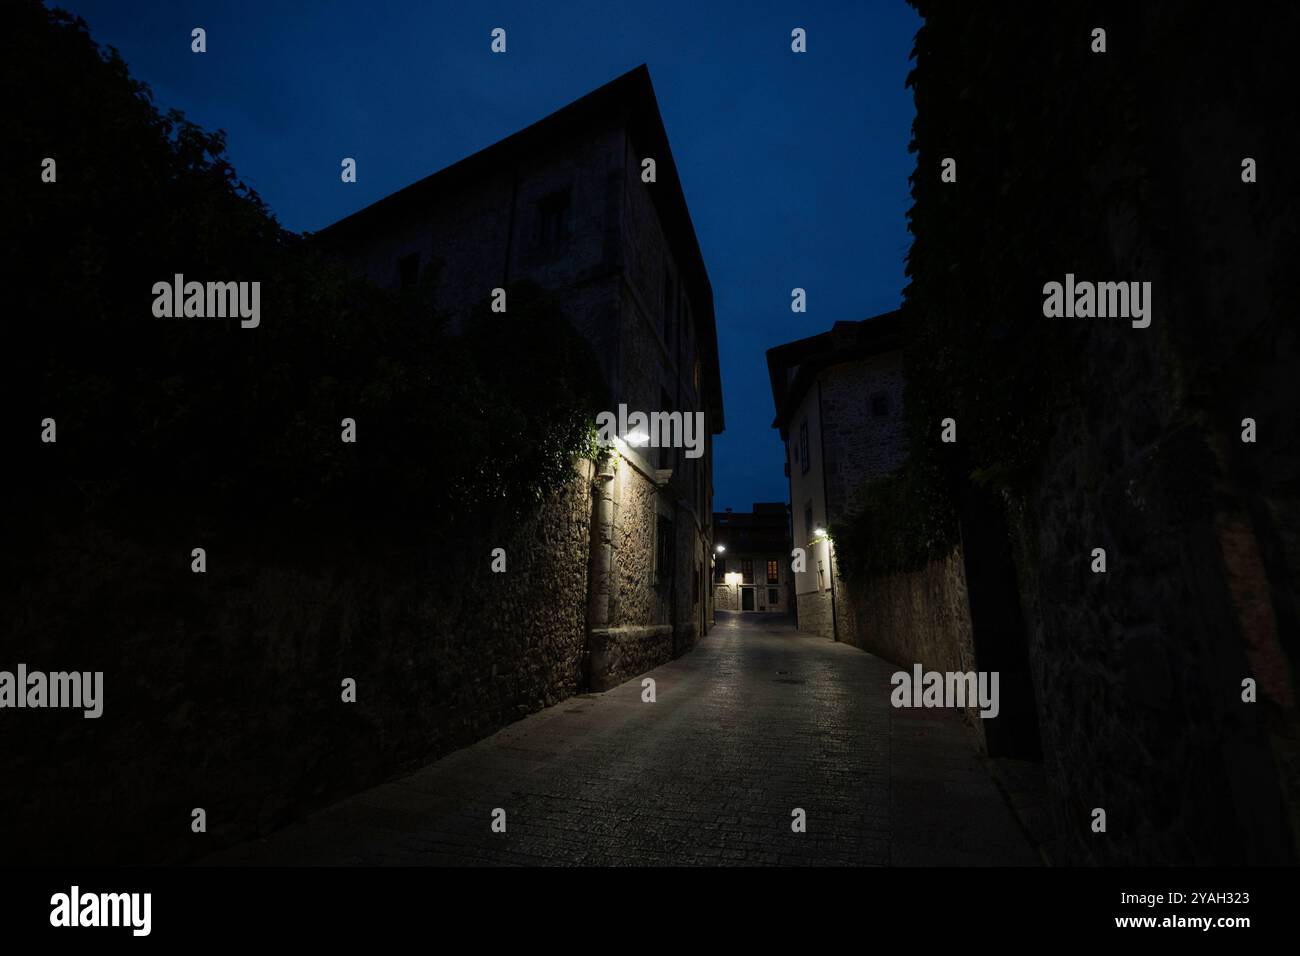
[795,167]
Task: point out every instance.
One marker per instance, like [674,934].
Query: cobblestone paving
[759,719]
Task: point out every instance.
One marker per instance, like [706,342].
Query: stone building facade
[839,402]
[564,205]
[751,560]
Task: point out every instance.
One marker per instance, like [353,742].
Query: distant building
[563,205]
[751,561]
[839,407]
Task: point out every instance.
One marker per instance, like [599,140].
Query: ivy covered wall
[1123,165]
[325,560]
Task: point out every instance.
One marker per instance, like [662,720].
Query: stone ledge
[619,653]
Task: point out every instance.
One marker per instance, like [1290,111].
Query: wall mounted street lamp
[819,533]
[720,548]
[638,439]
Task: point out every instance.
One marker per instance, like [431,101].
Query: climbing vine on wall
[901,522]
[1029,204]
[200,416]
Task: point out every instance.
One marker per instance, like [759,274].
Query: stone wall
[858,443]
[657,371]
[621,653]
[609,270]
[1127,166]
[912,617]
[637,599]
[1150,656]
[234,676]
[726,598]
[814,614]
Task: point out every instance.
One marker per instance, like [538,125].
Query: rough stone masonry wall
[234,676]
[814,614]
[726,598]
[1138,671]
[640,635]
[857,444]
[637,601]
[912,617]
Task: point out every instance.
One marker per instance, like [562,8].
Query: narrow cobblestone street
[758,720]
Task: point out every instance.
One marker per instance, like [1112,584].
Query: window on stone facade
[553,218]
[803,448]
[663,549]
[408,272]
[719,569]
[688,337]
[821,575]
[699,485]
[683,323]
[880,405]
[807,521]
[695,586]
[667,454]
[670,305]
[772,573]
[747,570]
[773,597]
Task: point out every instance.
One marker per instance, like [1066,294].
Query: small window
[667,454]
[664,550]
[880,405]
[803,448]
[773,575]
[773,597]
[699,486]
[408,272]
[670,306]
[747,571]
[695,586]
[807,521]
[681,321]
[719,569]
[553,218]
[821,575]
